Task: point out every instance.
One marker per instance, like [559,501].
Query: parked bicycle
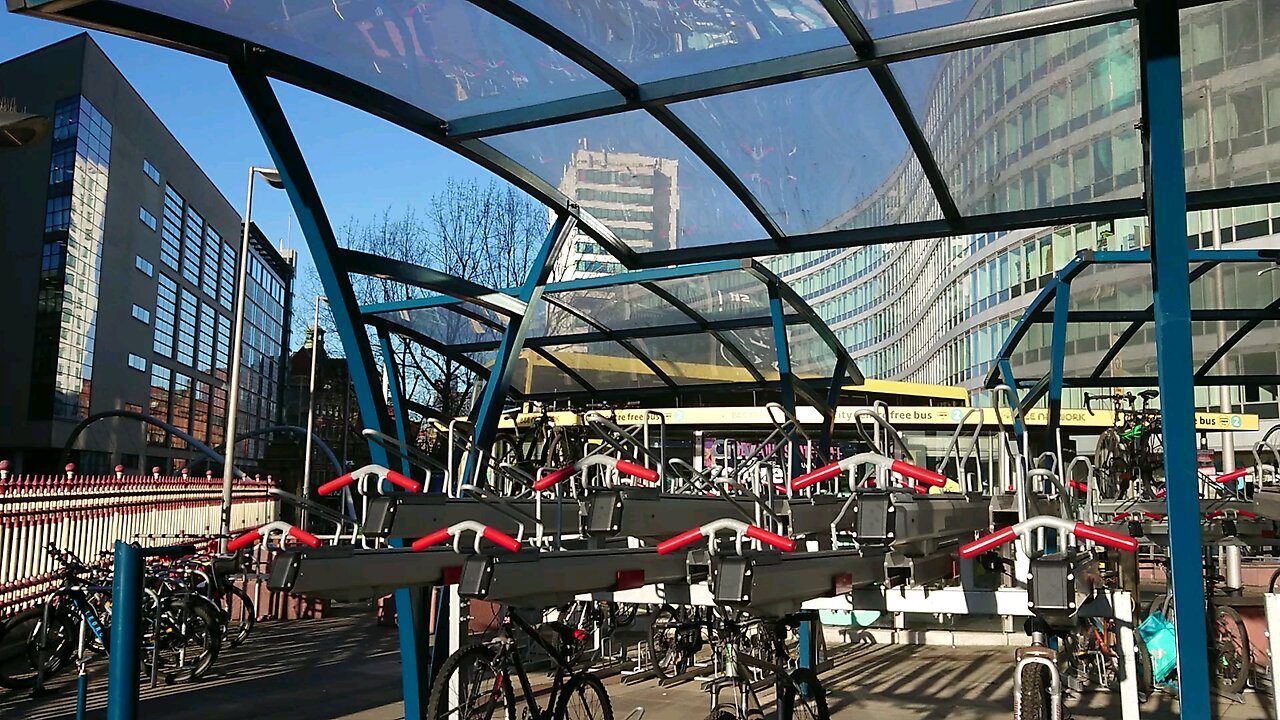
[1129,456]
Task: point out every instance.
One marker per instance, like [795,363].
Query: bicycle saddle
[1149,394]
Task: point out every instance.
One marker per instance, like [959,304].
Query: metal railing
[88,513]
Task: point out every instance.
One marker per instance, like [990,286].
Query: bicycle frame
[564,669]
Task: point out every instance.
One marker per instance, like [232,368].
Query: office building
[120,278]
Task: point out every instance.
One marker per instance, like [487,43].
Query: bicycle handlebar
[391,476]
[442,535]
[254,536]
[754,532]
[1233,475]
[1079,529]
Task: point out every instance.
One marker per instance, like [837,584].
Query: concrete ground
[346,668]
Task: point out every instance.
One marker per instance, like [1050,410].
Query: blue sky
[362,165]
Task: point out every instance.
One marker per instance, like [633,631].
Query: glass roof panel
[535,374]
[605,365]
[1104,286]
[1255,354]
[634,176]
[447,57]
[658,40]
[894,17]
[1242,287]
[730,295]
[757,346]
[819,154]
[1229,49]
[811,357]
[1041,122]
[694,359]
[620,307]
[445,324]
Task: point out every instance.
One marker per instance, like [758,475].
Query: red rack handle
[915,472]
[336,484]
[1105,537]
[244,540]
[785,544]
[987,542]
[826,472]
[427,541]
[401,481]
[1233,475]
[301,536]
[554,477]
[501,539]
[637,471]
[1080,487]
[688,537]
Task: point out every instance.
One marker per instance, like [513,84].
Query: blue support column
[488,410]
[126,599]
[786,380]
[323,246]
[396,394]
[1006,375]
[1167,213]
[833,403]
[1057,366]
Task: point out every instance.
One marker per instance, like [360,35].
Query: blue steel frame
[395,393]
[323,245]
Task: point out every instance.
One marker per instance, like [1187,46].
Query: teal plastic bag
[1157,632]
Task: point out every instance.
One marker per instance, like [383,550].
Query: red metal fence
[88,513]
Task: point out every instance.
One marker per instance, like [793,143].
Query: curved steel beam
[380,323]
[705,324]
[191,440]
[324,447]
[626,344]
[573,374]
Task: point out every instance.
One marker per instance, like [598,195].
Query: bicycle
[749,652]
[676,637]
[1128,456]
[475,682]
[1229,652]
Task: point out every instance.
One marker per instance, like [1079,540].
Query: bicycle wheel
[472,685]
[803,697]
[240,613]
[1146,676]
[1033,701]
[623,614]
[664,643]
[1231,659]
[724,712]
[23,643]
[186,640]
[1271,584]
[1106,461]
[583,698]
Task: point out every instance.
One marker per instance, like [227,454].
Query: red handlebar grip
[826,472]
[303,537]
[1105,537]
[1078,486]
[1233,475]
[335,484]
[1247,514]
[401,481]
[987,542]
[427,541]
[685,538]
[244,540]
[501,539]
[785,544]
[554,477]
[637,471]
[916,472]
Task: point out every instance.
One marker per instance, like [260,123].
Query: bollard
[126,602]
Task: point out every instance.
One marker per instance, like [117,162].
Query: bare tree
[486,232]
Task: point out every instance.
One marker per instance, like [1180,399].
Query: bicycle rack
[348,573]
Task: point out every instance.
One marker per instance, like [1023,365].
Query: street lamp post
[311,411]
[233,390]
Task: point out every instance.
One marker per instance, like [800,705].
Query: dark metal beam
[1139,316]
[430,343]
[706,326]
[362,263]
[573,374]
[611,335]
[1232,341]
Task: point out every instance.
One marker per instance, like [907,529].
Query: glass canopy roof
[705,325]
[1108,335]
[693,130]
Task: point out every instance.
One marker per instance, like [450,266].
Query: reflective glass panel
[695,359]
[1230,57]
[620,307]
[721,296]
[1042,122]
[1089,342]
[534,374]
[811,357]
[658,40]
[820,154]
[1242,288]
[605,365]
[637,178]
[446,56]
[444,325]
[1254,354]
[1104,286]
[894,17]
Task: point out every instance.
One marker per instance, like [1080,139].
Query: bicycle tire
[238,625]
[724,712]
[623,614]
[1106,457]
[475,657]
[1033,698]
[664,650]
[804,686]
[20,648]
[1271,584]
[1232,660]
[577,688]
[185,625]
[1146,675]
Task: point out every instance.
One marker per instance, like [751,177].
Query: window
[151,171]
[141,314]
[62,166]
[136,362]
[166,315]
[147,218]
[192,248]
[207,339]
[187,310]
[171,235]
[212,256]
[144,266]
[57,213]
[227,278]
[158,404]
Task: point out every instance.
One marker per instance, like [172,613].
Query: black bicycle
[1128,456]
[475,683]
